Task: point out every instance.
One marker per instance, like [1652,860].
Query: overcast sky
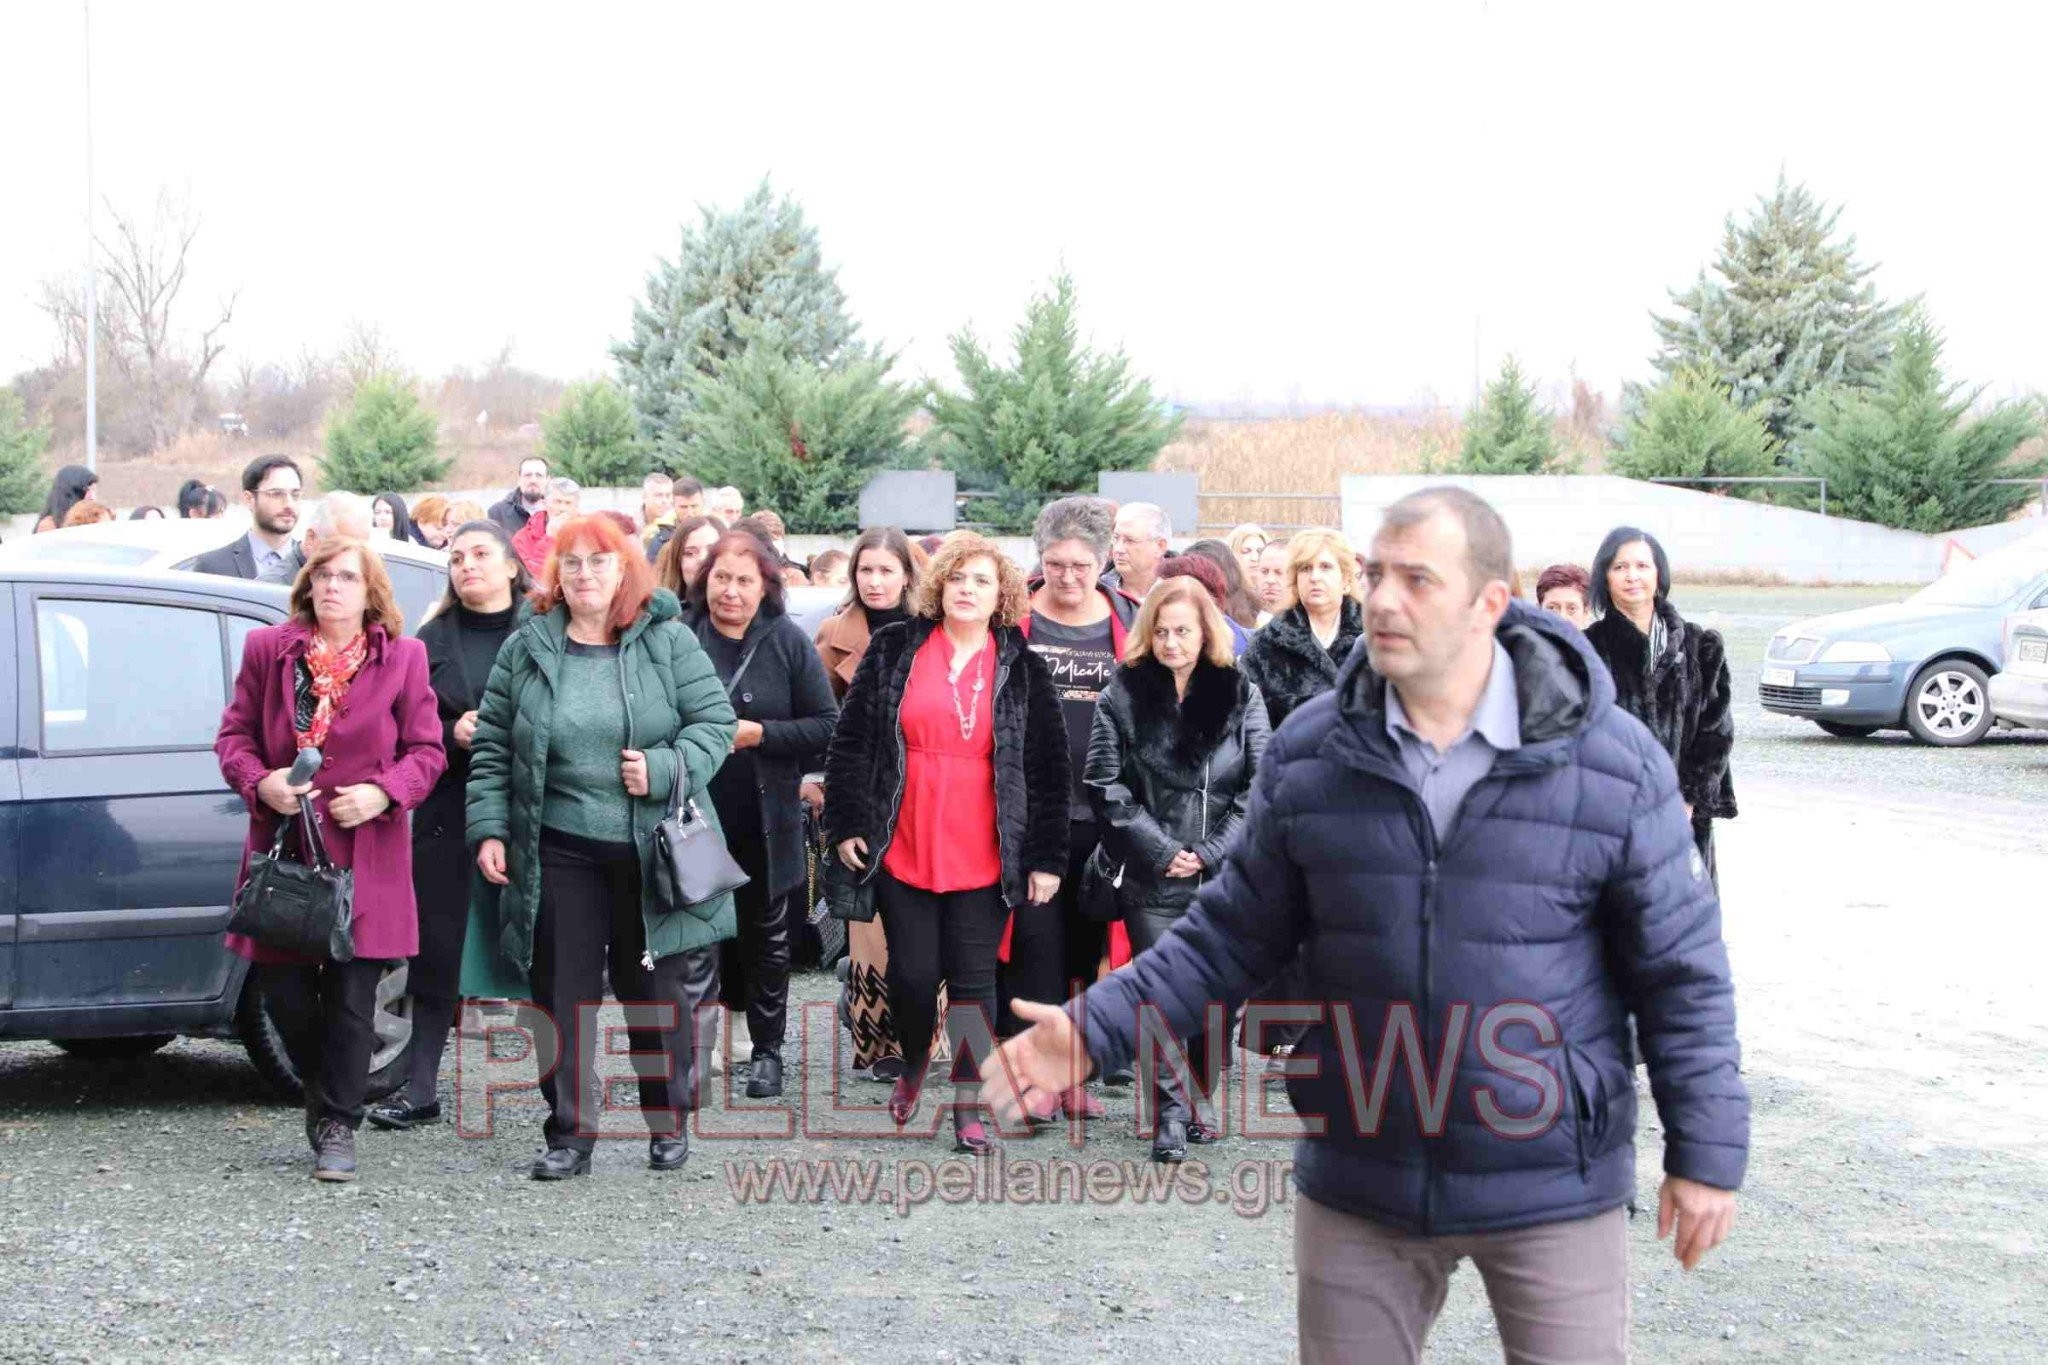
[1265,203]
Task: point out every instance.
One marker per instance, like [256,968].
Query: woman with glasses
[340,677]
[1079,627]
[462,636]
[600,711]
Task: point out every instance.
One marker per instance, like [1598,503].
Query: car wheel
[1841,731]
[115,1049]
[1949,704]
[256,1027]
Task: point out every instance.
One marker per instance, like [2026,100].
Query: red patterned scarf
[332,670]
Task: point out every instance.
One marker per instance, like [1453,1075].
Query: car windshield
[1988,582]
[66,550]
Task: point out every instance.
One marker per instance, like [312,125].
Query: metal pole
[1823,497]
[92,272]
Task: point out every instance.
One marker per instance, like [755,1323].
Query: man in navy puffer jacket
[1489,866]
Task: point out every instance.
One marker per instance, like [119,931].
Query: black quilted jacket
[1034,774]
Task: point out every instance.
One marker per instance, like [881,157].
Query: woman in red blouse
[947,785]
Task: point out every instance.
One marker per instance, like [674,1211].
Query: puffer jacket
[1569,894]
[1289,665]
[1034,778]
[1683,696]
[676,713]
[1166,773]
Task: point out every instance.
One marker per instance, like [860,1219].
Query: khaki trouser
[1368,1293]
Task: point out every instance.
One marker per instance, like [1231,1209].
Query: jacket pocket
[1588,1105]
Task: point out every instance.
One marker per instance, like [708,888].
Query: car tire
[115,1049]
[272,1058]
[1949,704]
[1841,731]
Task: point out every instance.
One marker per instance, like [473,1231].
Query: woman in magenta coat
[341,678]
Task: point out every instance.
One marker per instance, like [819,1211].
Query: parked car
[119,842]
[1925,663]
[419,574]
[2019,692]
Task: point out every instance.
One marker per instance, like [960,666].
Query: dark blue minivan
[119,841]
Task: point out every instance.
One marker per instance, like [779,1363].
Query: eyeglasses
[348,578]
[1055,568]
[599,565]
[280,494]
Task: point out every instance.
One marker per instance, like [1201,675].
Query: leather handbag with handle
[302,905]
[692,865]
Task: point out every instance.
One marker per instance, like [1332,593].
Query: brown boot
[334,1151]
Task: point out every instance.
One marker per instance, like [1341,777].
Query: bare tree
[146,267]
[365,353]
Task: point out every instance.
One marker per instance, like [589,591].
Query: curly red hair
[592,534]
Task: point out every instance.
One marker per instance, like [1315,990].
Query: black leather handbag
[849,895]
[295,906]
[692,865]
[1101,882]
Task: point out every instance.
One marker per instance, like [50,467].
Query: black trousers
[326,1013]
[589,922]
[1168,1093]
[754,968]
[1053,945]
[946,936]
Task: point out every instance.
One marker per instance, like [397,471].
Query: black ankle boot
[764,1077]
[559,1163]
[668,1153]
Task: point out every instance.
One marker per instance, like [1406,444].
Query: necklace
[970,712]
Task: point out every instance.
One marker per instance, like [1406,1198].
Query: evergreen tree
[591,437]
[756,271]
[1787,310]
[1508,433]
[1049,422]
[1908,453]
[23,483]
[800,438]
[382,442]
[1689,427]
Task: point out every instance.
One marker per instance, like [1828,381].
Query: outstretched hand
[1031,1070]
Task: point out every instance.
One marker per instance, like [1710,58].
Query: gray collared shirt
[1446,778]
[263,555]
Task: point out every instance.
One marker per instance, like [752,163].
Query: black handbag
[294,906]
[1101,882]
[849,895]
[692,865]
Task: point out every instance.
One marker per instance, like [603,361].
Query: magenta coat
[387,731]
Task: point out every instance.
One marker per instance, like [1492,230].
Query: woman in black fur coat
[1177,740]
[1295,656]
[1668,673]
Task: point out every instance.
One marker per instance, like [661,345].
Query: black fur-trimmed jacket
[1287,664]
[1682,696]
[1034,774]
[1166,773]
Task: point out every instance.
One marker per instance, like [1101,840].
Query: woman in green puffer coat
[600,704]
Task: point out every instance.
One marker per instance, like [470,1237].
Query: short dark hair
[1489,549]
[687,487]
[540,460]
[1569,576]
[1610,550]
[738,542]
[259,469]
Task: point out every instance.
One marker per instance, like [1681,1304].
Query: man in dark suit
[271,488]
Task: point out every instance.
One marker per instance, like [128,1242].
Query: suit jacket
[234,560]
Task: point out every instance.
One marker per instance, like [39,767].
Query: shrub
[382,442]
[591,437]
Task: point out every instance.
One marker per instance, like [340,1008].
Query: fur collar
[1185,731]
[1291,631]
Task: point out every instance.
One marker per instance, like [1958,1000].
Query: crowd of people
[1043,795]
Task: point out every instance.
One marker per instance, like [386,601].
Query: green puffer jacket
[676,712]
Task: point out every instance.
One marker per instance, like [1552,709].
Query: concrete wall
[1563,518]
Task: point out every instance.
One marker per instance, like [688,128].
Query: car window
[1987,582]
[128,675]
[417,587]
[239,628]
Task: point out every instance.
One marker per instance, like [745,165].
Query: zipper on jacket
[996,779]
[633,813]
[1427,1021]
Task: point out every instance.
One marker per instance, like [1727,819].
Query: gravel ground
[160,1209]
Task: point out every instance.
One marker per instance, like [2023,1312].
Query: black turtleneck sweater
[462,645]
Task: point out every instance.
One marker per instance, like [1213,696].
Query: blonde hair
[462,513]
[1306,545]
[1216,643]
[1240,534]
[961,547]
